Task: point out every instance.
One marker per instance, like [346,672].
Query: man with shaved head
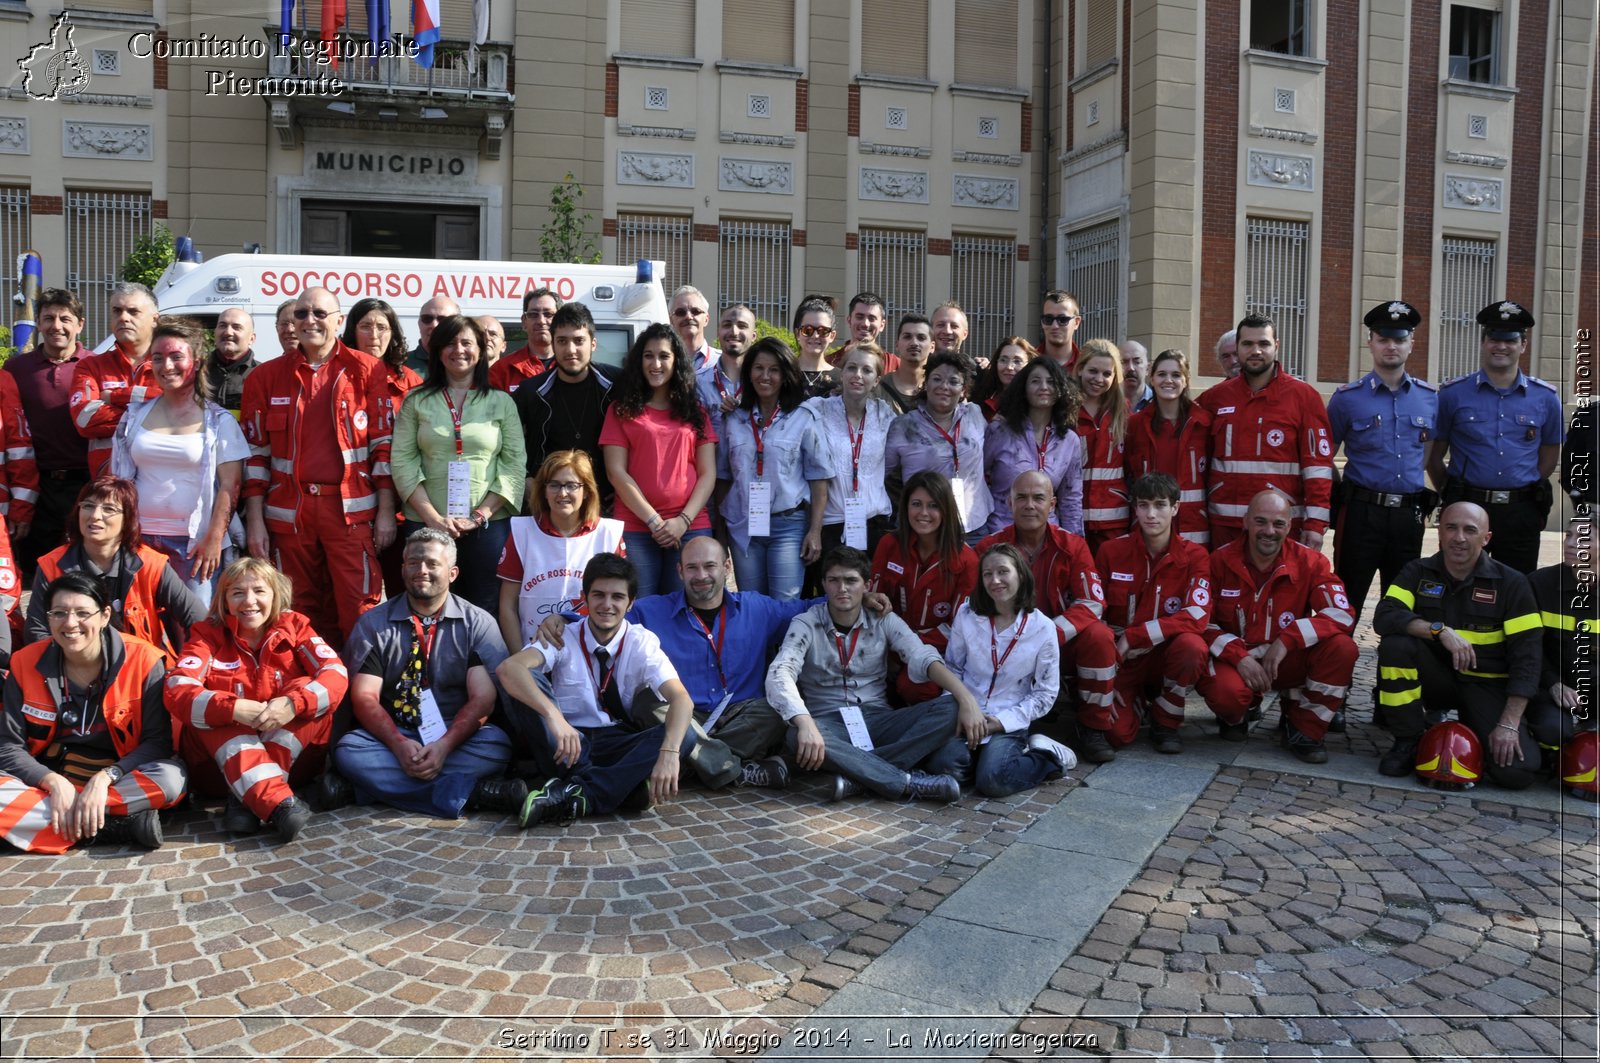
[1280,620]
[433,311]
[232,357]
[1460,631]
[318,500]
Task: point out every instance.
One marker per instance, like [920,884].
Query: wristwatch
[113,773]
[1436,629]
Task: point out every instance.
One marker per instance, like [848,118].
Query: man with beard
[421,693]
[718,382]
[105,384]
[1461,631]
[539,309]
[1060,320]
[1268,431]
[1136,375]
[1280,621]
[231,358]
[901,387]
[565,408]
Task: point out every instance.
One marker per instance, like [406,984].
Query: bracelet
[669,749]
[1507,727]
[655,522]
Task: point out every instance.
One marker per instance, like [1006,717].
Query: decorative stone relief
[1274,170]
[991,193]
[1474,193]
[762,140]
[1467,158]
[14,136]
[904,151]
[659,171]
[105,140]
[894,186]
[986,158]
[1298,136]
[756,175]
[665,131]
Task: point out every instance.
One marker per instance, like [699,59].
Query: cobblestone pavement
[1290,918]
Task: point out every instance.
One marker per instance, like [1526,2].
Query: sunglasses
[1058,319]
[428,319]
[688,311]
[814,330]
[301,313]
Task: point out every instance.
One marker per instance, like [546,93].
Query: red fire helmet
[1450,755]
[1579,757]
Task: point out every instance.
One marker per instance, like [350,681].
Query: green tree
[150,257]
[568,237]
[765,328]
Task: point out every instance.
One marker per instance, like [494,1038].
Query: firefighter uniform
[1569,616]
[1494,610]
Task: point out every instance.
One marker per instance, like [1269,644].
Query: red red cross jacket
[923,592]
[1194,441]
[102,387]
[1105,487]
[1153,599]
[1275,437]
[216,669]
[1300,601]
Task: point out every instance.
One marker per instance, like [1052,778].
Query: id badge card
[855,523]
[856,725]
[760,523]
[958,487]
[458,489]
[716,713]
[432,727]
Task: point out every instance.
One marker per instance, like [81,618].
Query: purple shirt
[1007,455]
[45,387]
[915,443]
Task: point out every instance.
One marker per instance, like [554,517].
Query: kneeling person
[421,691]
[603,666]
[828,682]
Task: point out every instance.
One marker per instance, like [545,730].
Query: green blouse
[491,441]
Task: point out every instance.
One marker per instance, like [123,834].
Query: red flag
[333,18]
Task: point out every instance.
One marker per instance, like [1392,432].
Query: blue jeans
[772,565]
[176,547]
[901,740]
[657,568]
[377,775]
[1005,764]
[613,761]
[478,555]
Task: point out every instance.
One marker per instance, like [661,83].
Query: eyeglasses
[61,616]
[99,509]
[540,315]
[689,311]
[1058,319]
[301,313]
[814,330]
[564,487]
[428,319]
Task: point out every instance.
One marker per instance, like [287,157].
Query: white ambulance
[623,299]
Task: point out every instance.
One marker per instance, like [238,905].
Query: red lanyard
[455,418]
[856,439]
[722,392]
[715,643]
[756,429]
[425,631]
[997,658]
[1044,444]
[953,440]
[600,686]
[845,655]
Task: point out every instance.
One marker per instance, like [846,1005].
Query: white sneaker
[1045,744]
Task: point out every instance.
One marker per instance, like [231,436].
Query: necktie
[610,700]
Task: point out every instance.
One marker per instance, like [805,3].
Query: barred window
[1277,261]
[102,228]
[894,37]
[753,268]
[16,229]
[658,27]
[1094,275]
[983,273]
[892,264]
[659,238]
[1467,270]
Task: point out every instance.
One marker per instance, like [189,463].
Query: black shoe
[334,790]
[925,787]
[1401,760]
[1336,726]
[1233,732]
[637,802]
[237,819]
[1095,748]
[843,788]
[1165,739]
[1254,715]
[498,795]
[772,773]
[142,829]
[290,818]
[1307,750]
[557,802]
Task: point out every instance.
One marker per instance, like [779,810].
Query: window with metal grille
[753,268]
[892,263]
[894,35]
[16,230]
[1467,270]
[987,54]
[658,27]
[1475,44]
[758,31]
[102,228]
[983,274]
[1277,260]
[1280,26]
[659,238]
[1094,275]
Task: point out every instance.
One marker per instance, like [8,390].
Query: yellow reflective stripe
[1387,672]
[1455,769]
[1405,697]
[1482,638]
[1526,622]
[1559,621]
[1401,595]
[1488,675]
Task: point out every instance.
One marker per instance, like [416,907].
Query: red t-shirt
[661,460]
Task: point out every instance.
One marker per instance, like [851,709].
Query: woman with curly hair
[661,456]
[1034,429]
